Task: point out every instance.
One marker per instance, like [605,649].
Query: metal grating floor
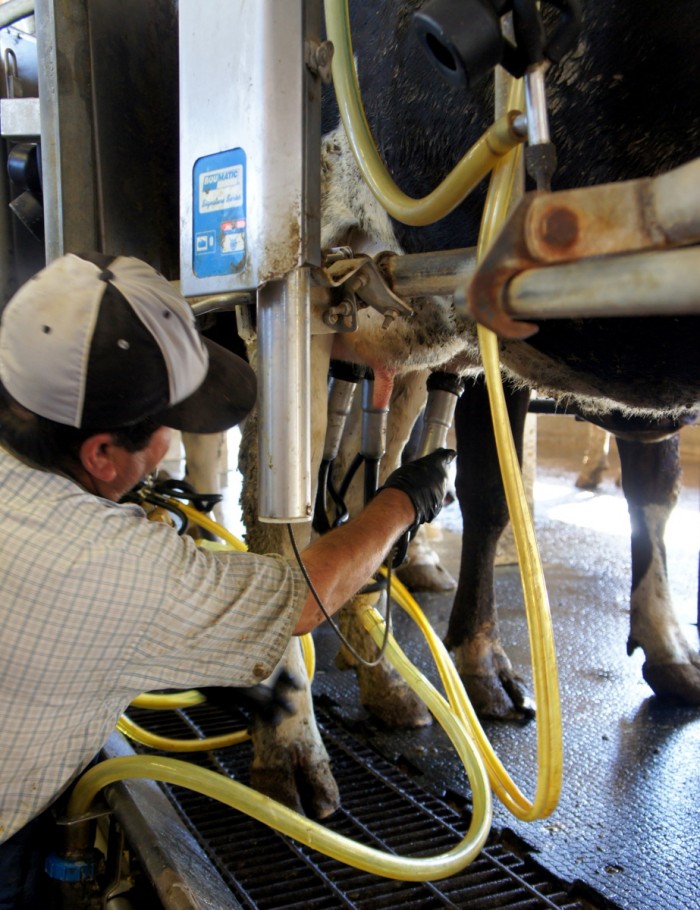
[381,806]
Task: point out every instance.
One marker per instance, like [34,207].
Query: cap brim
[226,396]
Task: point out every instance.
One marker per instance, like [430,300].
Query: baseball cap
[96,341]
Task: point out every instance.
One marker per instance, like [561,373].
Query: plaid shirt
[98,605]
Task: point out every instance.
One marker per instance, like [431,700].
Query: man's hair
[56,446]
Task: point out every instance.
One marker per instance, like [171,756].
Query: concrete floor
[628,821]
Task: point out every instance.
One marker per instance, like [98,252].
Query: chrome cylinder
[284,406]
[374,420]
[341,392]
[444,390]
[536,106]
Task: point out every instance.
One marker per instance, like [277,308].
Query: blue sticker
[219,214]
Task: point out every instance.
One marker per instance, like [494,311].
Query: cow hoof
[679,682]
[313,793]
[588,481]
[502,697]
[425,577]
[387,698]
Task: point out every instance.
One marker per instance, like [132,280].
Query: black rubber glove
[425,482]
[266,703]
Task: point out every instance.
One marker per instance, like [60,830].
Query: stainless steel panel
[19,117]
[244,86]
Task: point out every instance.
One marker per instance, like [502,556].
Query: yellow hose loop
[503,786]
[159,701]
[166,744]
[204,521]
[467,174]
[232,793]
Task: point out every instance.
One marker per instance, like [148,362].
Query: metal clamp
[358,276]
[548,229]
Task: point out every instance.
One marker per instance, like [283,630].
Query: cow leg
[473,636]
[596,459]
[651,476]
[290,761]
[202,464]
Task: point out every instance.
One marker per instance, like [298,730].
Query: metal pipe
[661,283]
[536,106]
[221,303]
[68,154]
[676,196]
[425,274]
[342,386]
[658,283]
[284,406]
[374,419]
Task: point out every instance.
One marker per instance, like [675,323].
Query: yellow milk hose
[497,141]
[166,743]
[505,163]
[160,700]
[313,835]
[543,655]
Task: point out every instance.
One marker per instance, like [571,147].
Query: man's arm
[340,562]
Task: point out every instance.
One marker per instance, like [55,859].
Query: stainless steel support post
[284,443]
[250,140]
[69,171]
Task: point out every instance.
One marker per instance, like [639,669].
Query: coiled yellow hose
[497,141]
[270,812]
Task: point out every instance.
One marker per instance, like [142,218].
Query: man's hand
[424,481]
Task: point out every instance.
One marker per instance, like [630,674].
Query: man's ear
[96,456]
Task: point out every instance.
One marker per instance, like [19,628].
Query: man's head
[94,341]
[96,354]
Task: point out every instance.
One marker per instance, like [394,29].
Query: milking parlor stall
[190,135]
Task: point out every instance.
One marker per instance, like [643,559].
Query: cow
[596,458]
[620,108]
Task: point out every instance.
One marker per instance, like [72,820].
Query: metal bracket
[548,229]
[358,276]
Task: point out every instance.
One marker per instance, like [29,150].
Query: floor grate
[381,806]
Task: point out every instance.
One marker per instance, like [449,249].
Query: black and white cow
[618,111]
[622,105]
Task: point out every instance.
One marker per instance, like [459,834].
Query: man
[98,358]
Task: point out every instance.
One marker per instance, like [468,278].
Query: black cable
[320,523]
[331,621]
[349,474]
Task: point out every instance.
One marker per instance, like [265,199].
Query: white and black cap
[99,342]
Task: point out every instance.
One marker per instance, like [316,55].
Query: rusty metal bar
[658,283]
[661,283]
